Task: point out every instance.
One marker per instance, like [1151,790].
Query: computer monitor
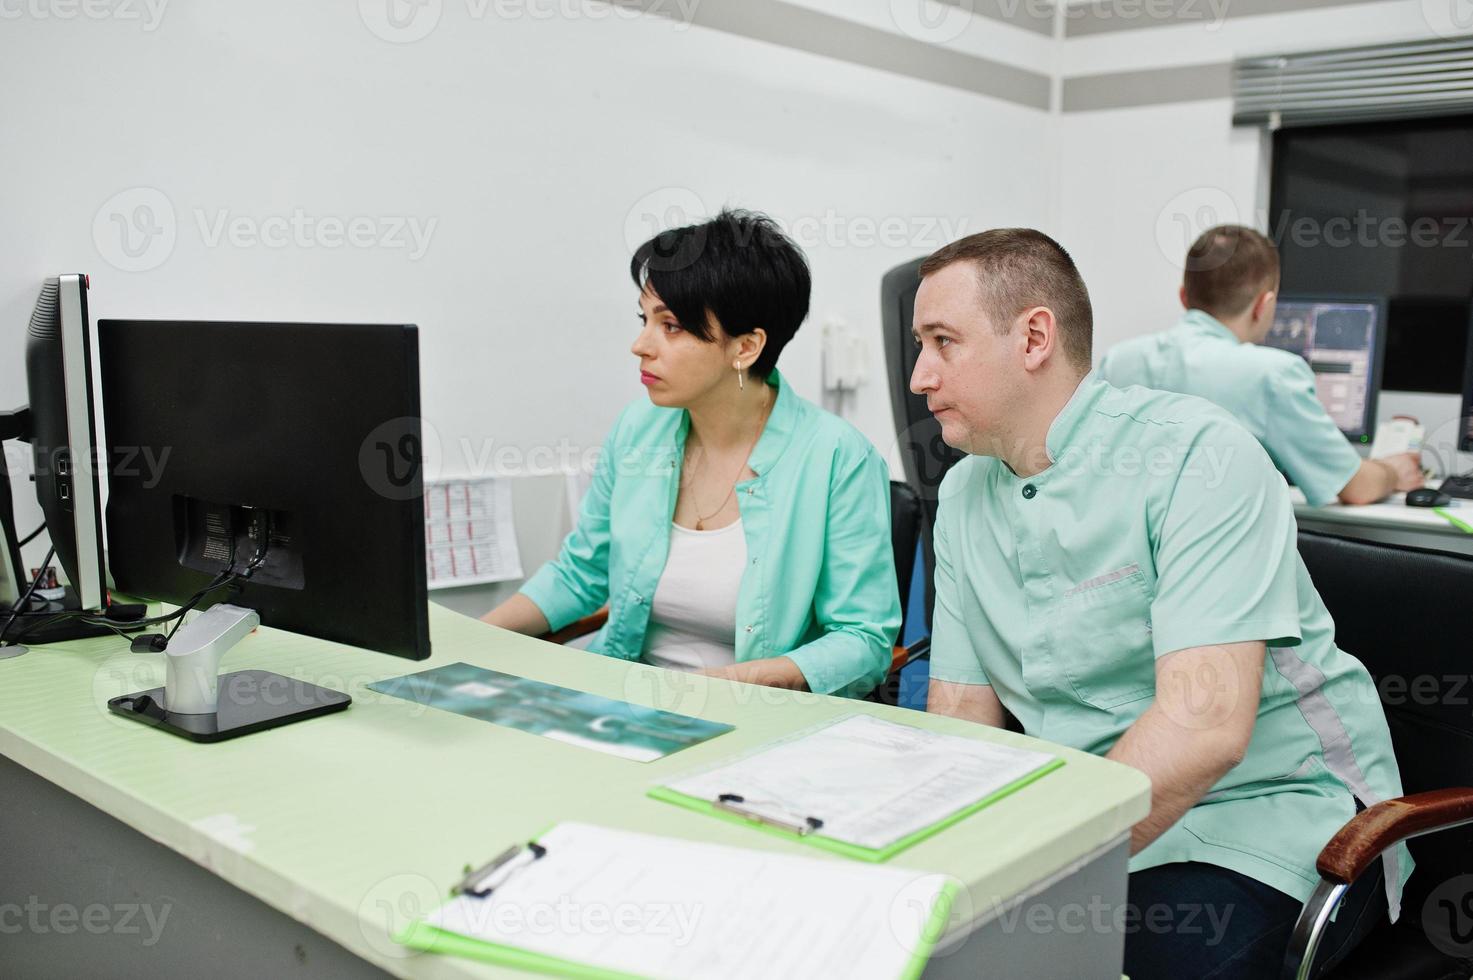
[12,575]
[1343,339]
[59,423]
[284,458]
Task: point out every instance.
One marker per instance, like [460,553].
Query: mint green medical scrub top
[1270,391]
[819,586]
[1161,525]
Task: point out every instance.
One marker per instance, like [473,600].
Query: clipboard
[855,851]
[809,828]
[482,884]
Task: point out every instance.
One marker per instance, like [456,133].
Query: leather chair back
[1407,614]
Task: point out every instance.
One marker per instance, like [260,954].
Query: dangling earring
[741,375]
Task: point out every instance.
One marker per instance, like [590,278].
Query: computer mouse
[1427,497]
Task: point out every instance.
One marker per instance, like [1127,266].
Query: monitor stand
[199,703]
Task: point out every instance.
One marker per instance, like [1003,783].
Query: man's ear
[1182,295]
[1040,336]
[1262,303]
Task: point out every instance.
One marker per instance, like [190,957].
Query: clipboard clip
[482,881]
[740,805]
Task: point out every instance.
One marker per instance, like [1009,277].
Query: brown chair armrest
[577,628]
[900,656]
[1357,844]
[898,659]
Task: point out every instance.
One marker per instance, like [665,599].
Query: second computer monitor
[289,450]
[1344,340]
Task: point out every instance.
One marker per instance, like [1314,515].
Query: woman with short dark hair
[732,527]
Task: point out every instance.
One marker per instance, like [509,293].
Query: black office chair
[924,455]
[905,534]
[1404,613]
[905,530]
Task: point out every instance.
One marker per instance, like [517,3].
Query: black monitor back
[925,456]
[212,426]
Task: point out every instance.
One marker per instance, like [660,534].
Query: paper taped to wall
[470,532]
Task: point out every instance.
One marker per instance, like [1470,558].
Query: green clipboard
[855,851]
[422,936]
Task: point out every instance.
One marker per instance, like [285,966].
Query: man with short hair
[1118,570]
[1230,292]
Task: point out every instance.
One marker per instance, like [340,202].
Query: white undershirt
[693,614]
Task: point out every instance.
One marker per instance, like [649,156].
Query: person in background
[1230,292]
[1118,569]
[732,527]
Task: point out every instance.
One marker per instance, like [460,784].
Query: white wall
[540,149]
[533,152]
[1136,185]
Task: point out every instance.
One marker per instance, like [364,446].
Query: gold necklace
[701,521]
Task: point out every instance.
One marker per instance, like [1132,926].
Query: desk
[297,851]
[1389,522]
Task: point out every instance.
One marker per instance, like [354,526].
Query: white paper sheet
[660,907]
[871,782]
[470,532]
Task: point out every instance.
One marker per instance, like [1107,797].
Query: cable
[31,537]
[223,579]
[35,584]
[75,615]
[227,578]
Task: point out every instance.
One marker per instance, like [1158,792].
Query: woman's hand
[769,672]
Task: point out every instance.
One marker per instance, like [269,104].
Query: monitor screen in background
[1344,203]
[1338,339]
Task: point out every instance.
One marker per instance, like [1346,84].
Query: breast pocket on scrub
[1100,633]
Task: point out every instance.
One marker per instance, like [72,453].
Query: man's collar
[1067,424]
[1201,322]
